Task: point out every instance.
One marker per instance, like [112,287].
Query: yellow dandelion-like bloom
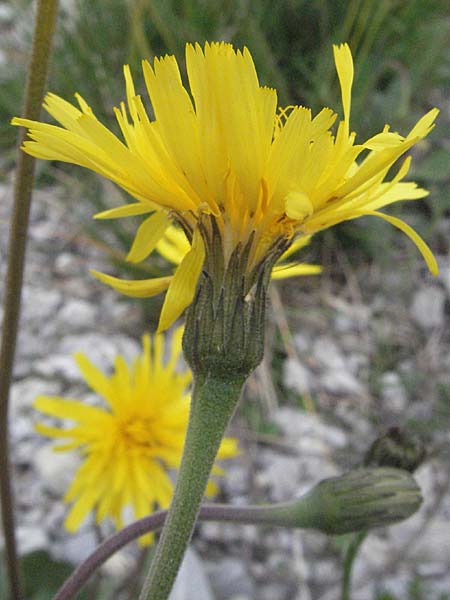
[128,444]
[223,161]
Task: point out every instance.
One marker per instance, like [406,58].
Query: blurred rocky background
[350,353]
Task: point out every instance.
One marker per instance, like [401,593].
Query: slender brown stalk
[37,73]
[250,515]
[355,501]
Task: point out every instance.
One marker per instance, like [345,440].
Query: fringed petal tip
[344,66]
[424,125]
[343,55]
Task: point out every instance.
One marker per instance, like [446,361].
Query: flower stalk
[351,553]
[213,403]
[223,343]
[37,73]
[327,508]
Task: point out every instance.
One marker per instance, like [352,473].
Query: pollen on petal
[298,206]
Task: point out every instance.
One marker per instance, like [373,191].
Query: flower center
[136,432]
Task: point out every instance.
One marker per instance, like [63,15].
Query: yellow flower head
[222,160]
[129,443]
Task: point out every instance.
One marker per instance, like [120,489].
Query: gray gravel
[338,360]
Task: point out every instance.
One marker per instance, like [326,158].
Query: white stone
[327,353]
[236,479]
[434,546]
[21,428]
[25,392]
[444,275]
[119,565]
[74,548]
[300,425]
[341,382]
[326,570]
[229,577]
[77,315]
[271,591]
[393,392]
[101,349]
[427,307]
[55,469]
[24,447]
[302,342]
[398,584]
[56,365]
[40,304]
[192,581]
[350,317]
[6,12]
[66,263]
[357,362]
[31,538]
[281,475]
[296,376]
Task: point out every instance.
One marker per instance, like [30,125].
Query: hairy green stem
[213,403]
[37,74]
[349,559]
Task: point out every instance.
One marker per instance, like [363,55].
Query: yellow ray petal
[344,67]
[294,270]
[375,164]
[62,111]
[69,409]
[68,446]
[81,509]
[424,125]
[176,120]
[228,448]
[148,235]
[400,191]
[55,432]
[415,237]
[85,108]
[383,140]
[212,489]
[144,288]
[182,287]
[126,210]
[94,377]
[174,245]
[290,148]
[297,244]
